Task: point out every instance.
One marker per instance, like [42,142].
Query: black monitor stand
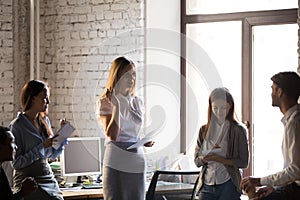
[78,182]
[79,179]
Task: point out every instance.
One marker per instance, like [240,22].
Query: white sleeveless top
[131,116]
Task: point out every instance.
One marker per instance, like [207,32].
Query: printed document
[62,134]
[149,137]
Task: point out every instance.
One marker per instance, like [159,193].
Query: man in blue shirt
[7,153]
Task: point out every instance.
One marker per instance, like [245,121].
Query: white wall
[163,77]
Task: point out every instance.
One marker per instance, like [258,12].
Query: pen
[55,136]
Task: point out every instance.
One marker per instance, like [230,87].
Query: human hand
[216,146]
[28,185]
[149,144]
[203,159]
[63,122]
[112,97]
[213,157]
[108,94]
[248,184]
[264,191]
[49,141]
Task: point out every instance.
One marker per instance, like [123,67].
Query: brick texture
[78,41]
[6,63]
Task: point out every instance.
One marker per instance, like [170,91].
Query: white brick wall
[6,63]
[79,40]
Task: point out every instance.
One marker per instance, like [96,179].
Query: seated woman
[34,138]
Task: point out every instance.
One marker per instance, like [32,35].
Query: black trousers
[289,192]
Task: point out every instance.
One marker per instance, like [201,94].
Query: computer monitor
[81,156]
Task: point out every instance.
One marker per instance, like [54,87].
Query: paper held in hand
[149,137]
[62,134]
[140,143]
[217,151]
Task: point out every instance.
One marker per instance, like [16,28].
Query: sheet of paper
[140,143]
[217,151]
[62,134]
[73,189]
[149,137]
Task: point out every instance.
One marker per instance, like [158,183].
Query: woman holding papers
[221,150]
[121,114]
[34,138]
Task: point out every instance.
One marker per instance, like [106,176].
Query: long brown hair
[220,93]
[117,70]
[30,90]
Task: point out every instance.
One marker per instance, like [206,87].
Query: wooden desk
[98,193]
[82,194]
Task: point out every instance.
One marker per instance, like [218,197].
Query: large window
[243,49]
[281,55]
[226,61]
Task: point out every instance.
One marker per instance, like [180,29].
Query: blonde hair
[117,69]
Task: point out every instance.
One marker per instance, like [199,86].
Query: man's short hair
[3,134]
[289,82]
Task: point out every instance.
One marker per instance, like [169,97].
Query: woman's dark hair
[220,93]
[30,90]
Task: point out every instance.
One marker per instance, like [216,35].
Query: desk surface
[82,194]
[98,193]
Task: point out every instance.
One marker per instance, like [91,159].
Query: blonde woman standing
[121,114]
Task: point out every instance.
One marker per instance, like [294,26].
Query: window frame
[248,19]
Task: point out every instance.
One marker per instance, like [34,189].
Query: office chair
[151,190]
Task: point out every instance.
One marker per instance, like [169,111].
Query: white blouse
[216,173]
[131,116]
[290,151]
